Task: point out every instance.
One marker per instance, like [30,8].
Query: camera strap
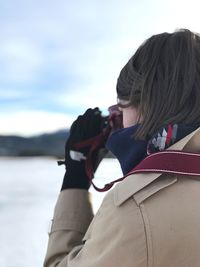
[173,162]
[170,161]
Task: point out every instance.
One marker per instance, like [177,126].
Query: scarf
[130,152]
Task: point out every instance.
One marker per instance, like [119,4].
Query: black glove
[89,125]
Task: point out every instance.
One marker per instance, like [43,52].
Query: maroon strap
[94,144]
[168,161]
[97,142]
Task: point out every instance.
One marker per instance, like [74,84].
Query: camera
[113,120]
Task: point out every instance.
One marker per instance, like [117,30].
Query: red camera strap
[168,161]
[95,143]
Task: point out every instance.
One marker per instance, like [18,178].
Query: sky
[57,58]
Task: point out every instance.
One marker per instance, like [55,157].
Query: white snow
[28,191]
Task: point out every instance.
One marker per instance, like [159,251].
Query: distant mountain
[52,144]
[42,145]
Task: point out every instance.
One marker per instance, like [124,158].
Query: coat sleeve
[115,237]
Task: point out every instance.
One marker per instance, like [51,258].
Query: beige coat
[148,220]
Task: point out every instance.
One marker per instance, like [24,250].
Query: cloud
[64,56]
[20,61]
[91,95]
[27,123]
[12,94]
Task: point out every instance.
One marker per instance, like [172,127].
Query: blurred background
[57,58]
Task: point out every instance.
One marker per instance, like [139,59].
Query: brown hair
[162,79]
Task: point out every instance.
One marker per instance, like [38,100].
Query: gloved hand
[89,125]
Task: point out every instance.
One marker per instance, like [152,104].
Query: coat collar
[135,182]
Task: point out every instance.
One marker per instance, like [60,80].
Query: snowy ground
[28,191]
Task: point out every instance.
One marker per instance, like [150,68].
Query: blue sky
[58,58]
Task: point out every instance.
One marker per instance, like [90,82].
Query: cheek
[130,116]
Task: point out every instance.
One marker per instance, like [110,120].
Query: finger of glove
[80,118]
[95,123]
[85,126]
[74,125]
[86,122]
[74,135]
[82,129]
[80,133]
[91,123]
[79,128]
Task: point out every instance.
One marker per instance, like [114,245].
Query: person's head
[160,84]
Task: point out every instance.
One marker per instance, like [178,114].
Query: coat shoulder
[141,186]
